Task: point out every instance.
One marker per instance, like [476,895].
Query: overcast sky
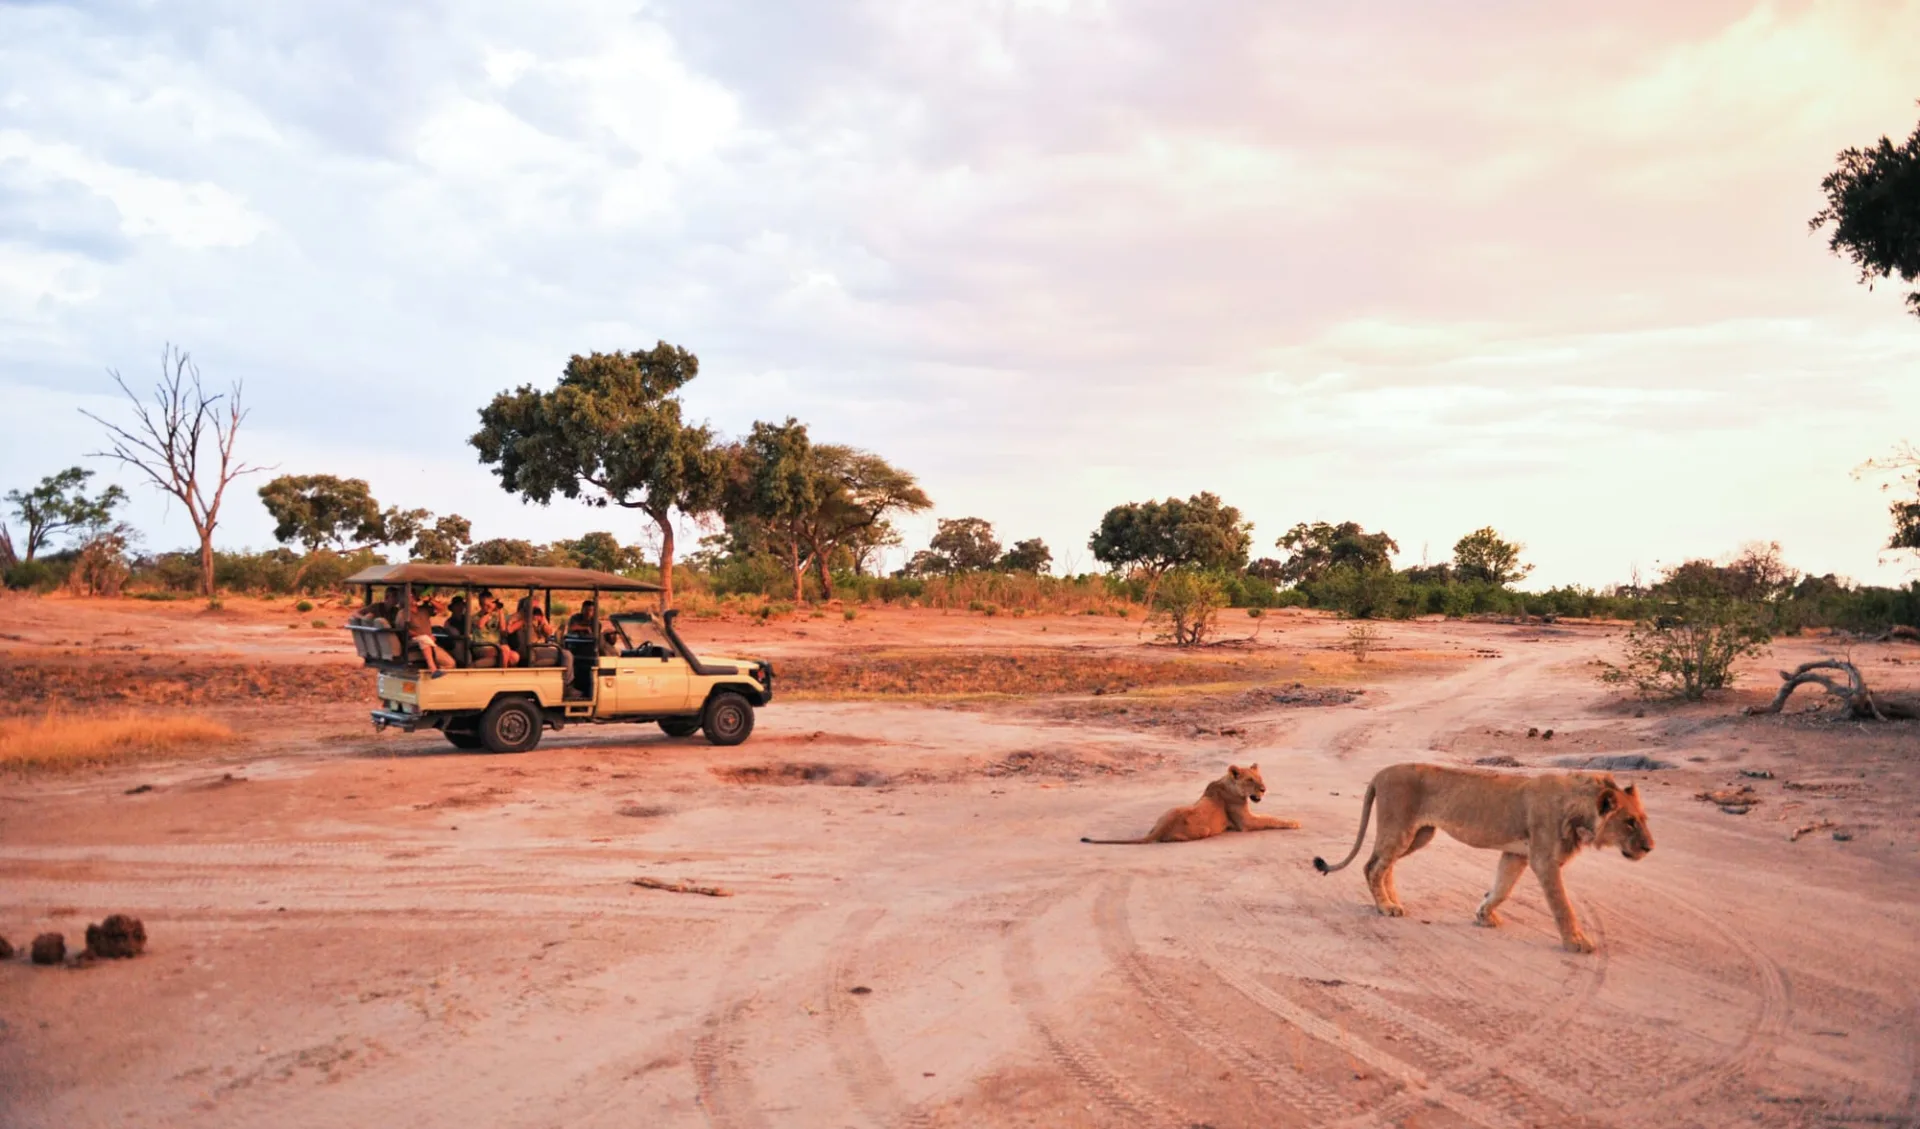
[1423,266]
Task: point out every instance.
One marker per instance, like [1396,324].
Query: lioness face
[1624,822]
[1247,782]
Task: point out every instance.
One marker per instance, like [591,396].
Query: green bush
[1361,593]
[303,606]
[1688,648]
[1188,600]
[35,576]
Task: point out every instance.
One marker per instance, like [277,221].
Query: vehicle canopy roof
[498,576]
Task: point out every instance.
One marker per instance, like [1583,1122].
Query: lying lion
[1537,821]
[1222,807]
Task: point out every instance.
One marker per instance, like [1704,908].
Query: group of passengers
[486,625]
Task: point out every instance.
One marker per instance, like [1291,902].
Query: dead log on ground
[1860,702]
[683,887]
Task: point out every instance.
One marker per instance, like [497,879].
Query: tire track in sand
[1078,1060]
[1478,1060]
[855,1054]
[1284,1086]
[722,1087]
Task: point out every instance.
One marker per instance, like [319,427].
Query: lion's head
[1246,782]
[1623,821]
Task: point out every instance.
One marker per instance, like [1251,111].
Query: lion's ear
[1254,765]
[1609,800]
[1632,791]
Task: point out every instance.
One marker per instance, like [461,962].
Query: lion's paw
[1393,911]
[1487,919]
[1578,943]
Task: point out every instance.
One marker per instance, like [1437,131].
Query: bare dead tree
[1860,702]
[166,443]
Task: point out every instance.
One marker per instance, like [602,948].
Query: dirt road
[348,926]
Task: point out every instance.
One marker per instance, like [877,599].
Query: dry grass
[55,742]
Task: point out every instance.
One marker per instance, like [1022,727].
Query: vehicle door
[651,684]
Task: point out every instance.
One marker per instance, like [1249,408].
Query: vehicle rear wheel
[466,739]
[679,726]
[510,725]
[728,719]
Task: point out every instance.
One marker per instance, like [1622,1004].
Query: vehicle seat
[543,654]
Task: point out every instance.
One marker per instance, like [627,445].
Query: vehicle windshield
[639,633]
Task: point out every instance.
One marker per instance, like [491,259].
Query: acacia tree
[1483,556]
[1153,537]
[443,541]
[1873,204]
[60,504]
[1317,548]
[611,432]
[169,442]
[860,492]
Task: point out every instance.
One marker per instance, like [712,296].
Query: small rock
[6,949]
[49,948]
[1501,761]
[1547,735]
[860,990]
[1757,773]
[117,938]
[1640,713]
[1731,809]
[138,789]
[1843,836]
[1099,690]
[1533,731]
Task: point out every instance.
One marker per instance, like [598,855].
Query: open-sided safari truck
[627,667]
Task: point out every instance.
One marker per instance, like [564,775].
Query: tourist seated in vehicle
[543,643]
[420,640]
[388,608]
[490,630]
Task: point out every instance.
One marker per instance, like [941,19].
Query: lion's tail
[1366,812]
[1084,839]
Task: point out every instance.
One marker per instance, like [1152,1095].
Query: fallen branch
[1808,829]
[1860,702]
[683,887]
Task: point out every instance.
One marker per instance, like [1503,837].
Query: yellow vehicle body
[636,670]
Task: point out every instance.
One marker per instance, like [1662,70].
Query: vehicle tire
[679,726]
[463,739]
[728,719]
[510,725]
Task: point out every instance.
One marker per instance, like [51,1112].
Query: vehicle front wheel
[679,726]
[728,719]
[510,725]
[463,739]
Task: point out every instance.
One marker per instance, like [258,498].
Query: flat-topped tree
[610,433]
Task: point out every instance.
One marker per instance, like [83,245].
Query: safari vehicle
[627,667]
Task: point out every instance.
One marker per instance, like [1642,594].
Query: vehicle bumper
[394,719]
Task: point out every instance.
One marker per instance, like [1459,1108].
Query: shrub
[849,615]
[1189,600]
[34,576]
[1689,649]
[319,623]
[1362,637]
[303,606]
[1361,593]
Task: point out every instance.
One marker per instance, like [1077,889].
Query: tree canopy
[1314,548]
[1156,536]
[1031,555]
[316,510]
[60,504]
[966,544]
[612,433]
[1482,556]
[1873,205]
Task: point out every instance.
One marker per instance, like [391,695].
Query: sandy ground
[345,925]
